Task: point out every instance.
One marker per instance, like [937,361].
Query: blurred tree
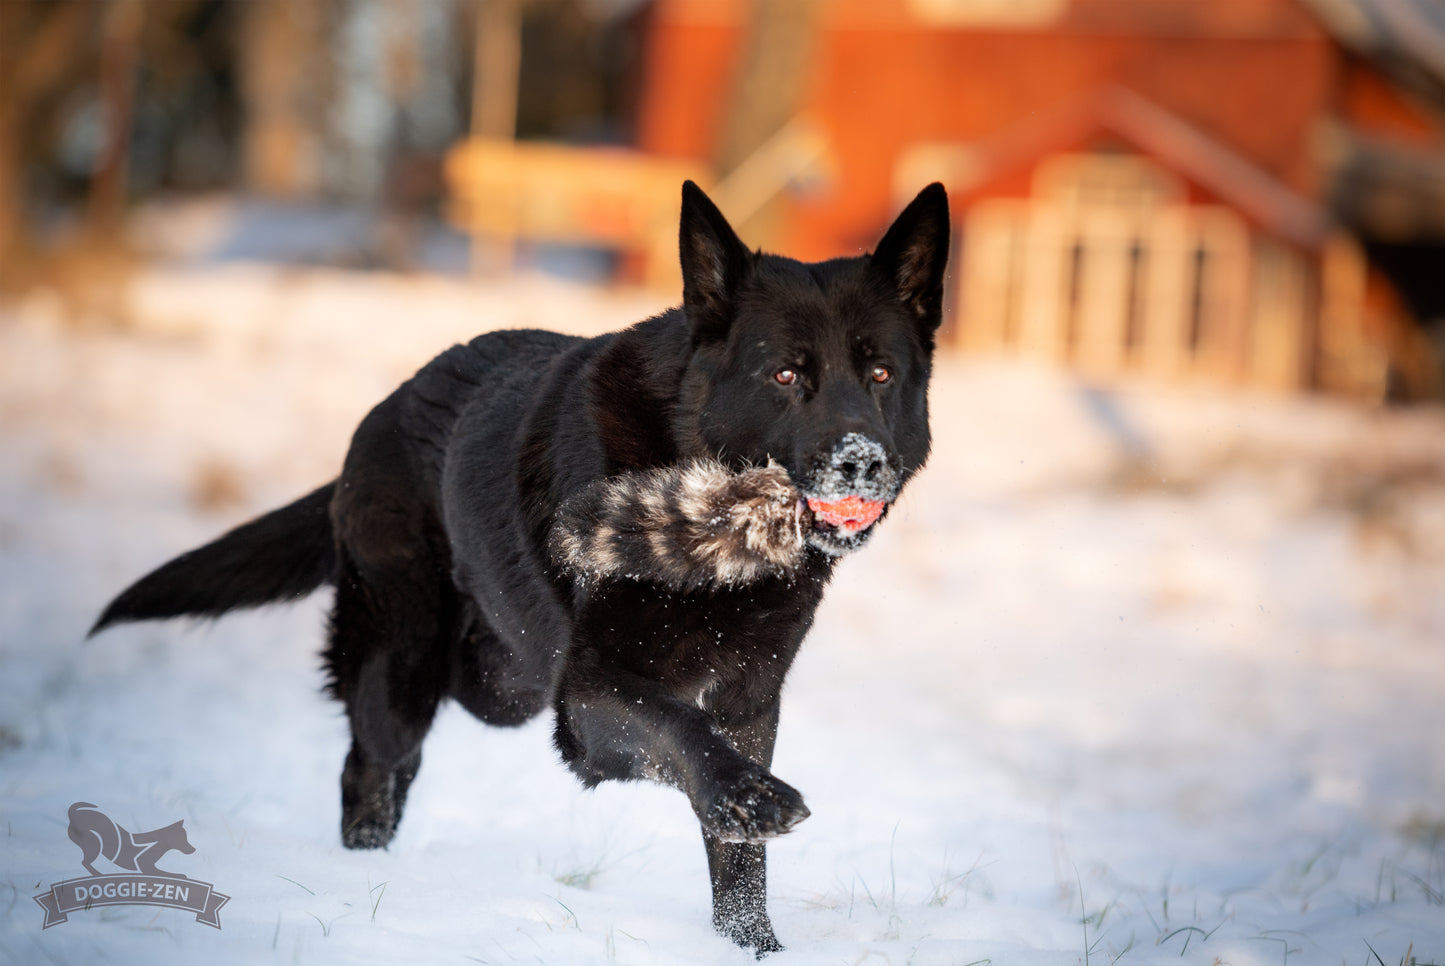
[767,90]
[570,77]
[105,101]
[498,59]
[42,47]
[769,82]
[101,99]
[120,31]
[283,82]
[185,125]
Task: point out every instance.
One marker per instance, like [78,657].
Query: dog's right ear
[714,262]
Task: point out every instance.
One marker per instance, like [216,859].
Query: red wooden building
[1139,184]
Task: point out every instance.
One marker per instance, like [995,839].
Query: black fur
[439,528]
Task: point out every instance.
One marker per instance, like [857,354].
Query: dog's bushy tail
[285,554]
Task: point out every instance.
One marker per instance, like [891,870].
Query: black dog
[457,535]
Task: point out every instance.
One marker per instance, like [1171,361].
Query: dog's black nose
[859,465]
[853,470]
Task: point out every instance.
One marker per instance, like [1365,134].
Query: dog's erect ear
[914,253]
[713,263]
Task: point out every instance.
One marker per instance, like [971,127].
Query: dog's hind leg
[389,659]
[490,680]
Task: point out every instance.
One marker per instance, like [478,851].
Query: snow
[1132,673]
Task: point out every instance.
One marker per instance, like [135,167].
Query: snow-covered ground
[1131,674]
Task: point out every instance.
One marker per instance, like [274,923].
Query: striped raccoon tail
[691,526]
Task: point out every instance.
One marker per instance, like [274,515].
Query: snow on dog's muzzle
[849,492]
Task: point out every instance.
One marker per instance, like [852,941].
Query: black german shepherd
[475,558]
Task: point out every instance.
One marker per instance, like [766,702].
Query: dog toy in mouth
[852,514]
[688,526]
[699,524]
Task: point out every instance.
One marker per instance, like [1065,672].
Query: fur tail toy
[689,527]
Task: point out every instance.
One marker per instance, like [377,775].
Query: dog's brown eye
[785,377]
[881,374]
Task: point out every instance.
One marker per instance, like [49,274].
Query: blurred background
[1154,643]
[1245,192]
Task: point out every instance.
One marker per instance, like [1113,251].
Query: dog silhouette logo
[98,836]
[140,882]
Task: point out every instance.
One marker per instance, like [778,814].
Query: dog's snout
[859,465]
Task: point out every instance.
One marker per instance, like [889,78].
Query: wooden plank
[987,292]
[1225,239]
[1103,310]
[1045,280]
[1280,305]
[538,191]
[1164,327]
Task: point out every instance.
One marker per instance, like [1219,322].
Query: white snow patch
[1144,674]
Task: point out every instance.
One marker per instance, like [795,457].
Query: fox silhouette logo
[98,836]
[140,882]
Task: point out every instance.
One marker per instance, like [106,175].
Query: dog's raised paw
[755,808]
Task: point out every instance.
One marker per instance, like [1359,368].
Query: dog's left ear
[714,261]
[914,253]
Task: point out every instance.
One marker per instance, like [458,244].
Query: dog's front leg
[612,723]
[739,869]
